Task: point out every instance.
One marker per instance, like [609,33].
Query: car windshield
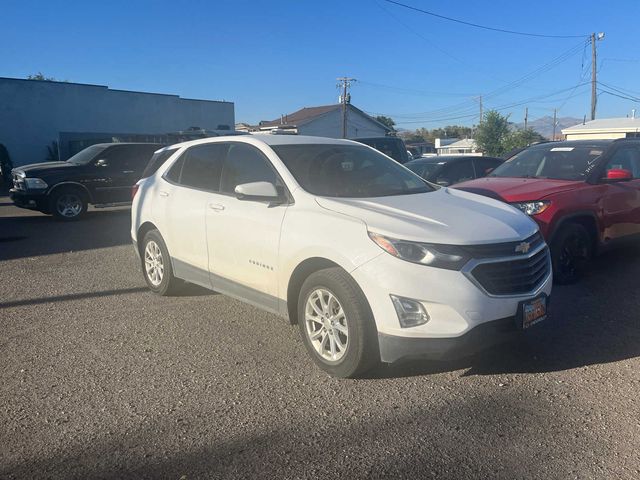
[85,156]
[554,162]
[350,171]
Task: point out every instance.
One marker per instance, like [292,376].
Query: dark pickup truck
[101,174]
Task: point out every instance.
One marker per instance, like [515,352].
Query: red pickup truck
[584,195]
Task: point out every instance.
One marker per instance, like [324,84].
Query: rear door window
[202,166]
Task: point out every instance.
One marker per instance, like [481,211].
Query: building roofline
[601,130]
[112,89]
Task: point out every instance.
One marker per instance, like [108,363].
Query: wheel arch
[75,185]
[297,278]
[586,219]
[143,229]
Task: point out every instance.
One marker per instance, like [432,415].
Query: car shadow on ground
[594,321]
[186,290]
[35,235]
[468,437]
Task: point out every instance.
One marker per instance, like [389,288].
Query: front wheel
[336,324]
[571,251]
[68,204]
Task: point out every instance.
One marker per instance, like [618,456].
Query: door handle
[128,171]
[216,206]
[164,194]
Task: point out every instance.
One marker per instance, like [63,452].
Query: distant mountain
[544,125]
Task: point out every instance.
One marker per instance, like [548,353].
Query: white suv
[372,262]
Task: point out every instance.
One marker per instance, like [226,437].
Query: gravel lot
[100,379]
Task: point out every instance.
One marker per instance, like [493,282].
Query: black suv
[392,147]
[447,170]
[102,174]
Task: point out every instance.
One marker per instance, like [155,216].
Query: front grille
[506,249]
[514,277]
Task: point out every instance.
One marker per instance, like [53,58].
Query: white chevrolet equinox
[372,262]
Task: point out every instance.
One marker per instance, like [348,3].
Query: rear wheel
[571,251]
[68,203]
[156,265]
[336,324]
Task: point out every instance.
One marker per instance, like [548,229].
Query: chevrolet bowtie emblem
[523,247]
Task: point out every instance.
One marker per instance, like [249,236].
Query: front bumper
[28,199]
[482,337]
[461,315]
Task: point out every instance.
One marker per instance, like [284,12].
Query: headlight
[35,183]
[435,255]
[533,208]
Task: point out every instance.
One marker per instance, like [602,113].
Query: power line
[633,99]
[619,89]
[476,25]
[470,105]
[536,99]
[411,91]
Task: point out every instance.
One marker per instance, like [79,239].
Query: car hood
[517,189]
[442,216]
[45,168]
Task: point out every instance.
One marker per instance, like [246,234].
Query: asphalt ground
[100,379]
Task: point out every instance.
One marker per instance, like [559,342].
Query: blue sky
[274,57]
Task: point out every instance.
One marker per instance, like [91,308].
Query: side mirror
[258,191]
[102,163]
[618,175]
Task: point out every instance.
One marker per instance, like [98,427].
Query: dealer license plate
[533,311]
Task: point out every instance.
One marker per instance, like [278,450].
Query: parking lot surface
[101,379]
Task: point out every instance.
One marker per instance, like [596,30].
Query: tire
[571,251]
[68,204]
[156,265]
[351,324]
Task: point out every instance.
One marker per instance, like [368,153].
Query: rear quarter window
[157,160]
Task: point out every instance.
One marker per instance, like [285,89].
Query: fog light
[411,313]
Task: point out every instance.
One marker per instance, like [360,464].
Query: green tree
[521,138]
[450,131]
[387,121]
[492,133]
[41,77]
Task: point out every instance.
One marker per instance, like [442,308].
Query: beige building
[604,128]
[453,146]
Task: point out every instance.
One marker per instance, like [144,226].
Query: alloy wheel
[69,205]
[574,250]
[153,263]
[326,325]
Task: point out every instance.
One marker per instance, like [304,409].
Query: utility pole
[594,69]
[555,123]
[481,112]
[344,83]
[526,117]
